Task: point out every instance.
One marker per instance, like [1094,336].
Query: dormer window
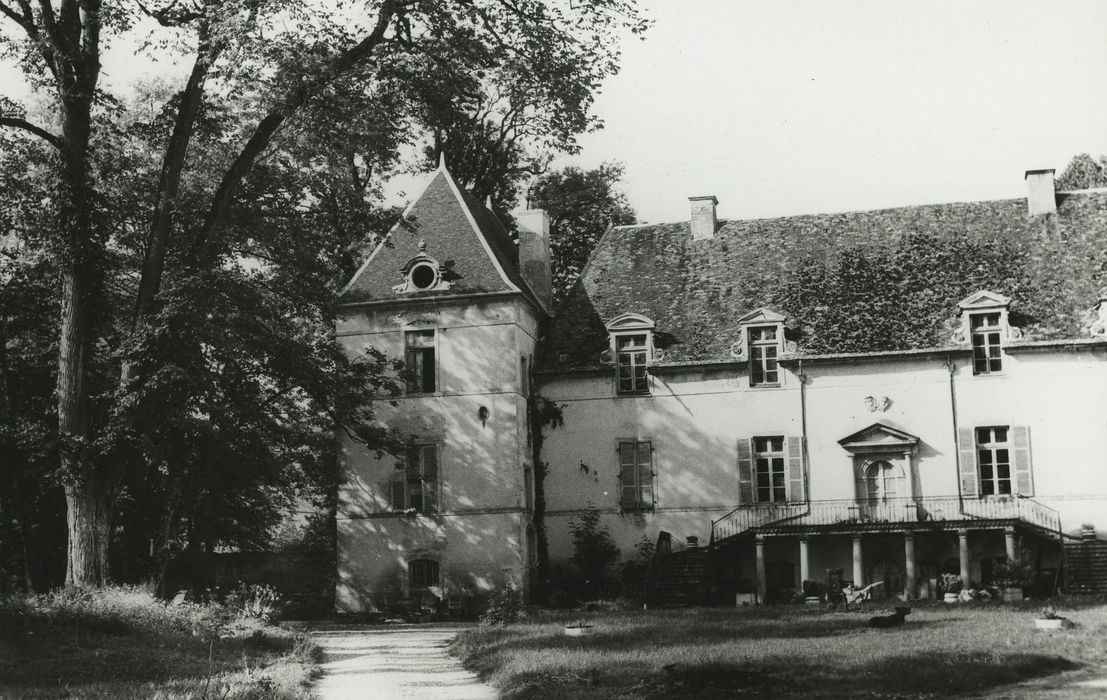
[423,273]
[631,350]
[761,343]
[985,329]
[764,351]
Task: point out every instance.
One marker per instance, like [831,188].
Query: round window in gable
[423,276]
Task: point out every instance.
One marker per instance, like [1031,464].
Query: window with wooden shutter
[1024,472]
[768,469]
[796,487]
[636,475]
[745,471]
[966,451]
[993,460]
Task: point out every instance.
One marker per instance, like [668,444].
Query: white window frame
[775,471]
[760,365]
[986,341]
[620,329]
[639,503]
[407,479]
[988,446]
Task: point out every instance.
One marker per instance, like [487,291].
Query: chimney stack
[1041,198]
[703,217]
[534,252]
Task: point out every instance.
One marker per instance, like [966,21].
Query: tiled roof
[440,218]
[695,291]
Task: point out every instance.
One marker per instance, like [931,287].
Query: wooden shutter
[745,471]
[794,458]
[1024,474]
[398,490]
[645,475]
[430,478]
[966,446]
[628,491]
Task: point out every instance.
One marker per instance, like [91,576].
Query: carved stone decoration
[1098,328]
[1015,334]
[422,273]
[738,350]
[658,355]
[790,347]
[605,357]
[877,403]
[959,337]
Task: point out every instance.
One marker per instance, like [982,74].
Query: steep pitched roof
[459,232]
[853,282]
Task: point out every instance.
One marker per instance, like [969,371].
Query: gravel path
[401,662]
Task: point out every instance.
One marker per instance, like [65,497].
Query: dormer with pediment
[631,349]
[985,328]
[761,342]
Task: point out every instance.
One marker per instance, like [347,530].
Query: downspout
[805,455]
[956,445]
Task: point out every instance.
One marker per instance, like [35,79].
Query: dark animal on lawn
[893,620]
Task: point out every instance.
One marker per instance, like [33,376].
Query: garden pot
[1048,624]
[949,598]
[578,631]
[1010,594]
[812,600]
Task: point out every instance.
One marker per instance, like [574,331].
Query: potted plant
[813,592]
[1048,619]
[951,587]
[577,628]
[1009,577]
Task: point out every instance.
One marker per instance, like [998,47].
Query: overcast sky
[781,108]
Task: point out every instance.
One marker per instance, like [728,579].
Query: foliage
[781,652]
[1048,613]
[1083,172]
[593,549]
[814,588]
[952,583]
[121,642]
[256,600]
[581,205]
[1012,572]
[505,607]
[201,233]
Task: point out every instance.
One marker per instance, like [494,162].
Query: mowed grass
[792,651]
[122,643]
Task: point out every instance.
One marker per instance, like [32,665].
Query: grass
[122,643]
[792,651]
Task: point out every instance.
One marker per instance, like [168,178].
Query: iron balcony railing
[888,510]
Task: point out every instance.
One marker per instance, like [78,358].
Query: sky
[789,107]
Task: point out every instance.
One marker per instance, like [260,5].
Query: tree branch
[17,123]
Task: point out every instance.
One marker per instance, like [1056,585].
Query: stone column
[1009,540]
[858,563]
[805,562]
[963,551]
[911,590]
[760,544]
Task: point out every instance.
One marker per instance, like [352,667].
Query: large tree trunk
[88,510]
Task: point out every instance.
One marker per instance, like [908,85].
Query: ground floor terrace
[766,552]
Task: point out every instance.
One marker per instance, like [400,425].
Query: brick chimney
[1040,197]
[534,252]
[703,217]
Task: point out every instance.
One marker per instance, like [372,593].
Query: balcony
[886,514]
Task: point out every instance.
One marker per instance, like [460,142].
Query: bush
[593,550]
[256,600]
[505,607]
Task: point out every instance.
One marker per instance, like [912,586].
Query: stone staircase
[679,579]
[1086,566]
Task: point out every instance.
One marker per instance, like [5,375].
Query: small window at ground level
[422,573]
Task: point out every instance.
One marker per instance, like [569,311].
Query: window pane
[1000,434]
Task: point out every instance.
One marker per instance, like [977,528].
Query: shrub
[593,550]
[505,606]
[255,600]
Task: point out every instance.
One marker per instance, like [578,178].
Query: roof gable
[629,321]
[761,316]
[984,300]
[878,435]
[449,226]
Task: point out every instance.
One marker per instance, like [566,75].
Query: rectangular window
[993,459]
[415,484]
[986,343]
[419,358]
[630,359]
[764,347]
[636,475]
[768,455]
[422,573]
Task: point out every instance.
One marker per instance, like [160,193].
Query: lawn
[791,651]
[122,643]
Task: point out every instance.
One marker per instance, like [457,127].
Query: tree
[192,241]
[581,205]
[1083,172]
